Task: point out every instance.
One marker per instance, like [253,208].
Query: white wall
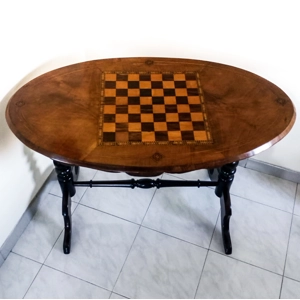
[36,36]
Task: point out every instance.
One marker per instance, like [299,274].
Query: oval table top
[146,116]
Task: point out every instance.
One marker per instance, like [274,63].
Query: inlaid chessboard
[152,108]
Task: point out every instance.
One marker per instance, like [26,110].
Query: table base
[221,178]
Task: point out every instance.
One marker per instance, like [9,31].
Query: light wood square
[110,77]
[109,127]
[134,109]
[172,117]
[148,136]
[110,93]
[159,108]
[147,118]
[174,135]
[121,118]
[109,109]
[133,77]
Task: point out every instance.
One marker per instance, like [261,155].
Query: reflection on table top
[149,115]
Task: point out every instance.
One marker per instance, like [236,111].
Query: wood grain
[57,114]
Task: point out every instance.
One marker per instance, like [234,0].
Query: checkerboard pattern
[143,108]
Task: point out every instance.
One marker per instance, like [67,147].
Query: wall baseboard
[273,170]
[32,208]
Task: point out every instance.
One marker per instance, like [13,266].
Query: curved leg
[225,218]
[225,180]
[65,179]
[66,212]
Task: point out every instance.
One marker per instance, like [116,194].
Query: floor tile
[85,174]
[100,245]
[160,266]
[26,218]
[16,276]
[265,189]
[1,259]
[52,284]
[224,277]
[259,234]
[292,269]
[116,296]
[165,260]
[127,203]
[243,163]
[187,213]
[193,175]
[42,232]
[297,202]
[290,289]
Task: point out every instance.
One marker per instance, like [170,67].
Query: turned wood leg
[65,179]
[225,180]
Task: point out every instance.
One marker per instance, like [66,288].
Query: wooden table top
[146,116]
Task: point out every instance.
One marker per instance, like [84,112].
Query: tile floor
[163,243]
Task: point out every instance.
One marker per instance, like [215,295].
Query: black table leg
[67,174]
[225,180]
[65,179]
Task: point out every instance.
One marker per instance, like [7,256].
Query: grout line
[208,250]
[122,218]
[33,281]
[48,181]
[118,295]
[244,262]
[81,279]
[287,248]
[140,225]
[110,214]
[53,246]
[292,279]
[54,195]
[142,221]
[269,206]
[161,176]
[201,274]
[85,191]
[295,198]
[62,231]
[41,265]
[1,258]
[174,237]
[286,255]
[219,216]
[27,258]
[126,258]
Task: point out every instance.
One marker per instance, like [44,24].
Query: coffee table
[147,116]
